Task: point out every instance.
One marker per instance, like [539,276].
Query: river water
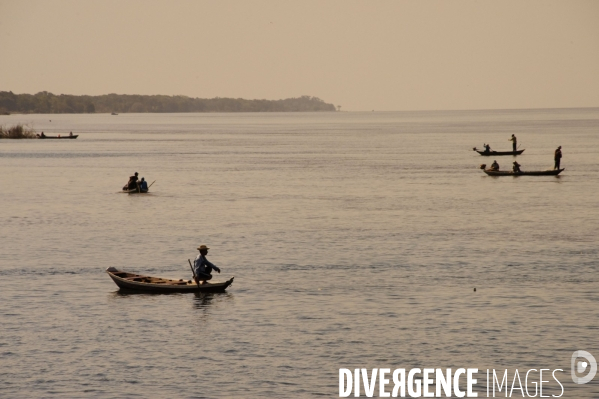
[356,241]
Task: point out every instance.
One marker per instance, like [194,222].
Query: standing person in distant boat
[132,183]
[203,267]
[487,148]
[494,166]
[71,134]
[143,185]
[514,141]
[557,157]
[516,167]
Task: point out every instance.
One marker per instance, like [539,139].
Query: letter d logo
[581,367]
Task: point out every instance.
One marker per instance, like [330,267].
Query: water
[356,241]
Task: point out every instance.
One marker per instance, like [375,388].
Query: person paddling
[203,267]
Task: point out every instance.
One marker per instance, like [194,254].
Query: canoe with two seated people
[58,137]
[138,282]
[492,172]
[138,189]
[496,153]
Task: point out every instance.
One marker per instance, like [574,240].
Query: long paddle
[151,186]
[194,273]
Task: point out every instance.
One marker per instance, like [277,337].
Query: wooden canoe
[137,282]
[554,172]
[58,137]
[135,191]
[498,153]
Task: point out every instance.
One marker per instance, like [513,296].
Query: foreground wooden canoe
[137,282]
[523,173]
[496,153]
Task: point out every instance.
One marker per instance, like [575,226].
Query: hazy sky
[362,55]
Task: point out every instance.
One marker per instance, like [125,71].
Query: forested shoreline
[48,103]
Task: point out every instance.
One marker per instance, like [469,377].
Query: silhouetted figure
[132,183]
[557,157]
[514,141]
[487,148]
[516,167]
[494,166]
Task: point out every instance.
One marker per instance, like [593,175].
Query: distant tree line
[48,103]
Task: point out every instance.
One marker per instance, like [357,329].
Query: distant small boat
[137,190]
[498,153]
[58,137]
[139,282]
[490,172]
[114,113]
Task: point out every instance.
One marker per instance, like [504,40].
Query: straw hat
[202,247]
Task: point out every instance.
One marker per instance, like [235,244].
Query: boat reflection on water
[201,300]
[204,300]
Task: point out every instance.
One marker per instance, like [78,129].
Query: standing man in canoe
[203,267]
[132,183]
[514,141]
[557,157]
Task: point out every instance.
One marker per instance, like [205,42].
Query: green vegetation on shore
[48,103]
[17,132]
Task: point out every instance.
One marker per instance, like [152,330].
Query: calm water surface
[356,241]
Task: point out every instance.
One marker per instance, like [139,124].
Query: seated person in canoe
[143,185]
[203,267]
[494,166]
[516,167]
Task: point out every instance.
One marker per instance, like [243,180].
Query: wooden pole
[194,273]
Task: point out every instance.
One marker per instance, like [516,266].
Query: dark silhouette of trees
[48,103]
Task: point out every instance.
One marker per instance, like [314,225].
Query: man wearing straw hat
[203,267]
